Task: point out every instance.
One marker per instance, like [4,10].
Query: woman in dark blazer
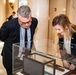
[10,33]
[67,40]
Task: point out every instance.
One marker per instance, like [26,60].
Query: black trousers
[7,63]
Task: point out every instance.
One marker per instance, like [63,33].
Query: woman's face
[59,29]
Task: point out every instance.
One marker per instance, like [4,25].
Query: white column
[71,10]
[2,11]
[40,10]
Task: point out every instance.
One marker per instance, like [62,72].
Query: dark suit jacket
[73,43]
[10,17]
[10,33]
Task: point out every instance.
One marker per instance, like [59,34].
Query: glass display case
[39,58]
[37,64]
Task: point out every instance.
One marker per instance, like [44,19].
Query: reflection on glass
[47,48]
[39,64]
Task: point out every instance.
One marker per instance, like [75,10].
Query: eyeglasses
[24,23]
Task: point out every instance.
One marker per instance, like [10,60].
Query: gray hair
[24,11]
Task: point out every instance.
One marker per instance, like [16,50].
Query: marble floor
[2,69]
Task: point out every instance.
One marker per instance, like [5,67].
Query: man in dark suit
[12,15]
[10,33]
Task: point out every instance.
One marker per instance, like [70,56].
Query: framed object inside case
[35,64]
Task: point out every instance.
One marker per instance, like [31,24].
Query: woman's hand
[72,67]
[58,54]
[66,64]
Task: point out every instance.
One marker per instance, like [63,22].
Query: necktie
[26,38]
[25,35]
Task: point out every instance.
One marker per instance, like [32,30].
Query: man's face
[25,22]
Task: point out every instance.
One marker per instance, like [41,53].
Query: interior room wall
[6,10]
[71,10]
[2,11]
[9,9]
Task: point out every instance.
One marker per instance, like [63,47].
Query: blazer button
[72,38]
[71,46]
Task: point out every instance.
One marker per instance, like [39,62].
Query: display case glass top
[43,47]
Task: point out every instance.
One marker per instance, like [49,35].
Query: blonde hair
[64,21]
